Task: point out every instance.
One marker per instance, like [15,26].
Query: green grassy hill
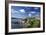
[33,22]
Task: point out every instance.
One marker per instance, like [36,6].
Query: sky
[23,12]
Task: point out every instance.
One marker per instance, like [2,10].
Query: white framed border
[25,29]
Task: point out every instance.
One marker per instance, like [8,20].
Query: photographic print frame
[28,4]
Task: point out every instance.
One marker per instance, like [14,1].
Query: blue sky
[23,12]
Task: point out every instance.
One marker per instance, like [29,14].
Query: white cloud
[22,10]
[33,12]
[35,8]
[29,15]
[14,11]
